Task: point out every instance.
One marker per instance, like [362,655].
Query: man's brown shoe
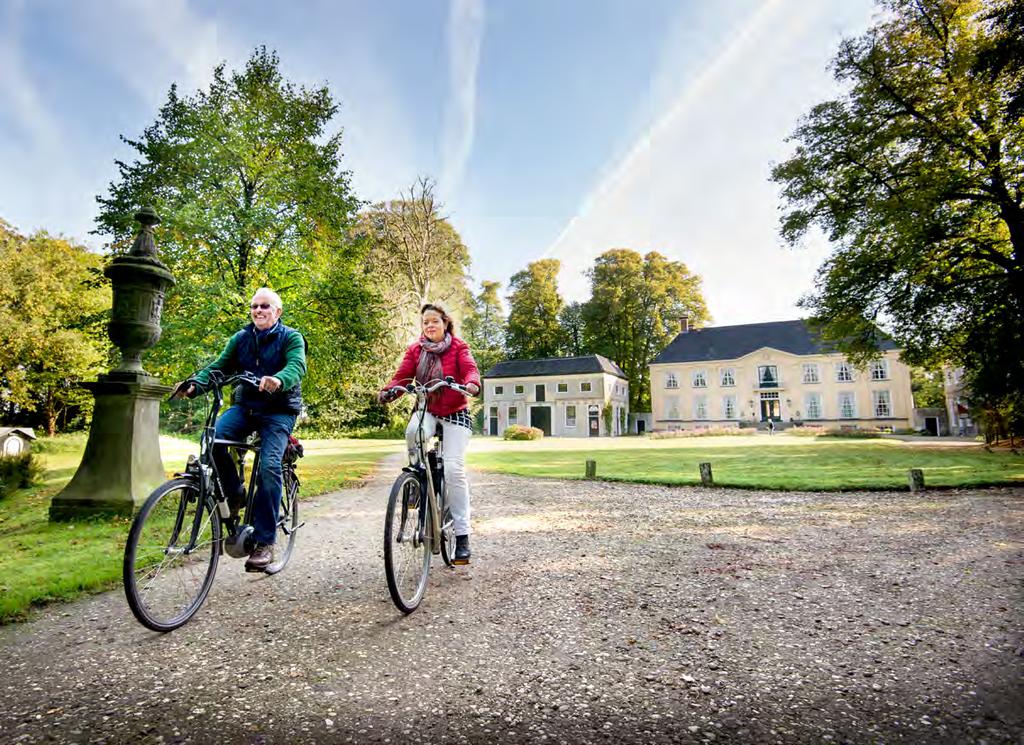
[261,557]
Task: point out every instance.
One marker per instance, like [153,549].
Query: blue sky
[558,129]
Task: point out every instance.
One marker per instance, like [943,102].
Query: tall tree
[54,304]
[247,178]
[916,175]
[634,310]
[533,330]
[416,256]
[571,321]
[484,326]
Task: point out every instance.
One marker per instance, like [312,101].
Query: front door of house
[493,423]
[540,417]
[770,409]
[594,416]
[641,426]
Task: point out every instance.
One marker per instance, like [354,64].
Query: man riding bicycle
[276,355]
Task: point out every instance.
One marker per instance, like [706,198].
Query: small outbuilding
[15,440]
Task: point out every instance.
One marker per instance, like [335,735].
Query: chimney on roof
[684,324]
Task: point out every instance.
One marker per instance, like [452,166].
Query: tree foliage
[247,179]
[571,321]
[54,305]
[533,330]
[916,175]
[484,327]
[634,310]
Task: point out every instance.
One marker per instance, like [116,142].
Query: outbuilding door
[540,417]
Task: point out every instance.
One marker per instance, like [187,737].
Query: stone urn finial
[140,280]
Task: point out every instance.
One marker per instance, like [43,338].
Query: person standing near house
[771,425]
[437,354]
[276,354]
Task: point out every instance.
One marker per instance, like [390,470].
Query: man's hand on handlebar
[184,389]
[269,383]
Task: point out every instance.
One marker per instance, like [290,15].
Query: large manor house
[721,376]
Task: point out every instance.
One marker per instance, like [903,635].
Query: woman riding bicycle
[437,354]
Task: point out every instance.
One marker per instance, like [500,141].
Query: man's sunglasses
[264,306]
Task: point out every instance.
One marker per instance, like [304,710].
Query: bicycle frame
[424,466]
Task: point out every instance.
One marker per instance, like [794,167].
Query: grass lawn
[757,462]
[42,561]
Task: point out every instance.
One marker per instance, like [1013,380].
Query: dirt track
[592,613]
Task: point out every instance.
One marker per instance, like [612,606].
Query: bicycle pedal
[460,562]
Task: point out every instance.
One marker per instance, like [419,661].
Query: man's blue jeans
[236,424]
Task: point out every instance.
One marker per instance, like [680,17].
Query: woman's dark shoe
[462,553]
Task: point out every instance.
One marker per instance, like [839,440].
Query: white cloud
[465,34]
[695,185]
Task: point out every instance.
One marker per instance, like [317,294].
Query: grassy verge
[42,561]
[755,463]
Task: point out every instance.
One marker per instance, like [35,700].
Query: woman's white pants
[456,438]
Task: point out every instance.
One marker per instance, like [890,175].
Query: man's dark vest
[265,356]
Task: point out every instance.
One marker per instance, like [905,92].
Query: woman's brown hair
[449,324]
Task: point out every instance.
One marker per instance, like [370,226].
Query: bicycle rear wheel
[287,522]
[406,543]
[171,555]
[447,529]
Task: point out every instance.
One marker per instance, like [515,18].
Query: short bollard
[591,469]
[916,478]
[706,478]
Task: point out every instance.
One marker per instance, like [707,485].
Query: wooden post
[916,478]
[706,478]
[591,469]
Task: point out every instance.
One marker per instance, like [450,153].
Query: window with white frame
[882,403]
[847,405]
[570,417]
[672,407]
[728,407]
[812,405]
[727,378]
[844,372]
[513,416]
[585,387]
[563,387]
[671,381]
[879,369]
[810,372]
[498,390]
[700,407]
[519,388]
[699,378]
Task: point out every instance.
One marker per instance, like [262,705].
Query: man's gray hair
[275,299]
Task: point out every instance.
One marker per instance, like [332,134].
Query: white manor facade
[730,376]
[563,396]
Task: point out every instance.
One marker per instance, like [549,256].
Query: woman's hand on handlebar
[184,389]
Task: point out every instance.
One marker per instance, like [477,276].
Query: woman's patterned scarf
[429,366]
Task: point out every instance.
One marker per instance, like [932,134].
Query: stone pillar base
[121,464]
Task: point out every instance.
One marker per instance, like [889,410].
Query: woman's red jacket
[457,361]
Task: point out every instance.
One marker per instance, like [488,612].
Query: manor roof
[733,342]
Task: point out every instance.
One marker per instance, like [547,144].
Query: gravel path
[592,612]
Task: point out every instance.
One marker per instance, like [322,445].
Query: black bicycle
[419,523]
[176,538]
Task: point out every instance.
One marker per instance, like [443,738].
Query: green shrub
[705,432]
[18,472]
[854,434]
[522,432]
[807,430]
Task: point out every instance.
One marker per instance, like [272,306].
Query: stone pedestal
[121,464]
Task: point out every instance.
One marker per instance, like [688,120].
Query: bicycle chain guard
[239,544]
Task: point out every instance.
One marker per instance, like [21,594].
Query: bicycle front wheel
[406,543]
[171,555]
[287,522]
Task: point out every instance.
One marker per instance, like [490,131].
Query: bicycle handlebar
[414,388]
